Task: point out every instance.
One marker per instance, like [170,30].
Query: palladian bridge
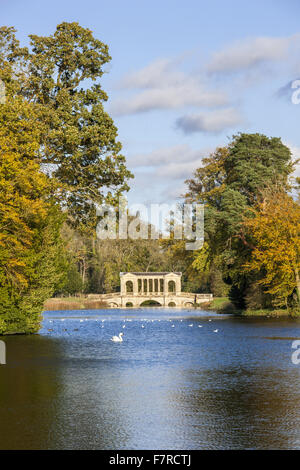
[160,288]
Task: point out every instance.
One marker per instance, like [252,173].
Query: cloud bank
[252,52]
[176,154]
[161,86]
[210,122]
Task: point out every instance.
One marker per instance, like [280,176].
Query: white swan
[117,339]
[216,331]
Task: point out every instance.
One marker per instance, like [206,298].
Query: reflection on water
[176,383]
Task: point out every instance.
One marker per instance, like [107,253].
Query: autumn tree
[59,155]
[31,255]
[229,184]
[274,231]
[60,76]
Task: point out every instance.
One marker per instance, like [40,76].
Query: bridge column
[165,286]
[135,287]
[165,291]
[123,286]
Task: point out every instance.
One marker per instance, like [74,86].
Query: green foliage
[73,282]
[58,148]
[230,183]
[100,262]
[40,269]
[59,75]
[274,229]
[216,284]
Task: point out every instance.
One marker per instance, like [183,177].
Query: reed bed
[73,304]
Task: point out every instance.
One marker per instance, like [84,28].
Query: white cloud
[174,192]
[210,122]
[168,155]
[188,94]
[180,171]
[160,73]
[163,86]
[251,52]
[167,170]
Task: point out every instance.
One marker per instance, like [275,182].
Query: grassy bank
[219,304]
[223,305]
[269,313]
[73,303]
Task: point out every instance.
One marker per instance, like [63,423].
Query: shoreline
[73,303]
[223,305]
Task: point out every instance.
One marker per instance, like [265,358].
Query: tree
[59,155]
[229,184]
[73,283]
[31,255]
[59,75]
[274,230]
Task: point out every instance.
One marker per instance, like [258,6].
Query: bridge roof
[164,273]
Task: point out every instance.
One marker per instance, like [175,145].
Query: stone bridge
[162,288]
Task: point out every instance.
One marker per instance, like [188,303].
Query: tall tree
[229,184]
[31,255]
[59,74]
[58,152]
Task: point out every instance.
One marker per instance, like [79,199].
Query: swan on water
[216,331]
[117,339]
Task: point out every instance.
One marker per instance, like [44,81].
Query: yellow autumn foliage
[275,232]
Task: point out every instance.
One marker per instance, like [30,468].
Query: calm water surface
[164,387]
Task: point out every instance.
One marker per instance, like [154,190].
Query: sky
[184,76]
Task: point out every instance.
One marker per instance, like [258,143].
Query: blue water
[173,383]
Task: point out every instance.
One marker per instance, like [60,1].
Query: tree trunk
[297,283]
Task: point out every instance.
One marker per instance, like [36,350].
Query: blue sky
[184,76]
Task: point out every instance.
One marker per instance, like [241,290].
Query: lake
[173,383]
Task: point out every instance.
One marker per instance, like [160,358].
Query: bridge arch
[113,304]
[171,304]
[129,287]
[171,286]
[150,303]
[188,304]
